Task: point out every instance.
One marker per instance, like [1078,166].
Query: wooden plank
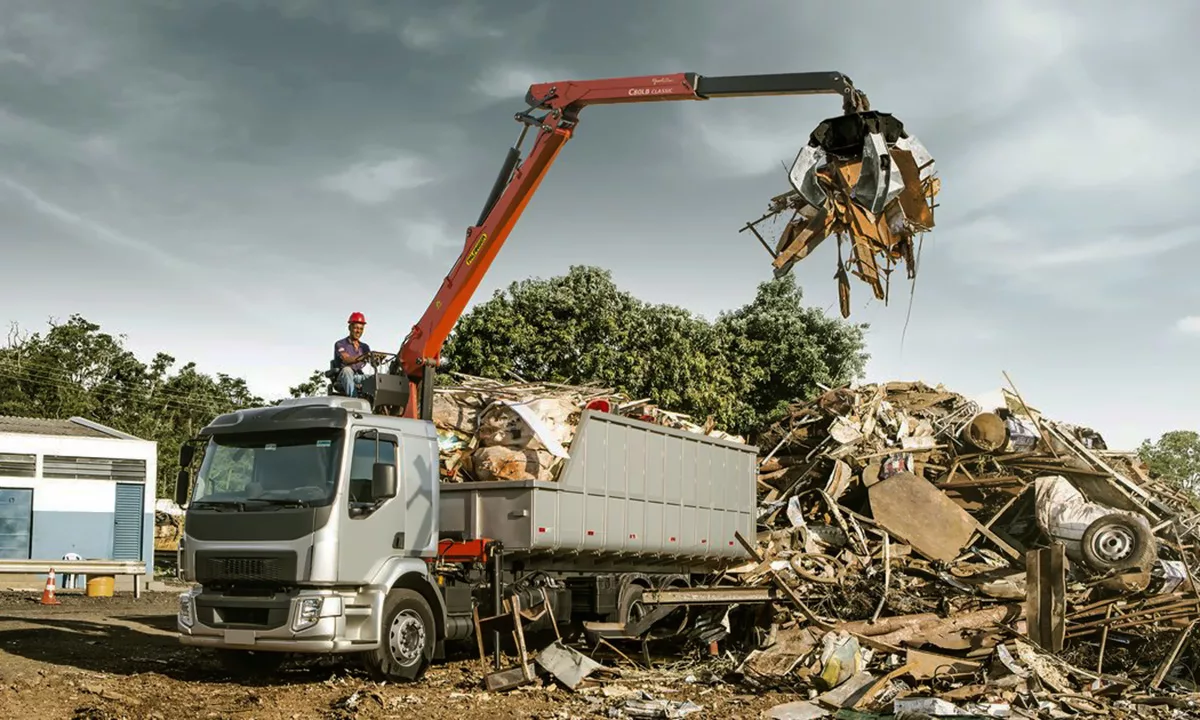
[1046,597]
[1172,654]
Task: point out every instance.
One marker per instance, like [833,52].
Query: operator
[350,354]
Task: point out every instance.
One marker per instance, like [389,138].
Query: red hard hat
[357,318]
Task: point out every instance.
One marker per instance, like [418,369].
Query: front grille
[227,567]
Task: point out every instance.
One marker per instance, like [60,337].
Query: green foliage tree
[75,369]
[1175,458]
[314,385]
[742,370]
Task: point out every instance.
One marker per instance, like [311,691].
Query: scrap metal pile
[493,430]
[864,179]
[926,546]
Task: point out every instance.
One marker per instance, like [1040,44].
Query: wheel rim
[406,638]
[1113,543]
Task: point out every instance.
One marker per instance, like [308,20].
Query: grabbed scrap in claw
[863,178]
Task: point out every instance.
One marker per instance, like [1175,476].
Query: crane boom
[516,184]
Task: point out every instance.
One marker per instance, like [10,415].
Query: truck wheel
[1115,542]
[250,663]
[408,638]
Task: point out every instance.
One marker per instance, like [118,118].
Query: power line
[179,398]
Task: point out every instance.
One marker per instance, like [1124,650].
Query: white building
[75,486]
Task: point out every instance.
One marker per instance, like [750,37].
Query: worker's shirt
[345,345]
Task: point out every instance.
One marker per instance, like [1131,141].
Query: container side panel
[654,509]
[615,528]
[636,462]
[546,511]
[570,519]
[506,515]
[673,527]
[593,521]
[706,456]
[689,535]
[617,481]
[688,450]
[656,466]
[596,470]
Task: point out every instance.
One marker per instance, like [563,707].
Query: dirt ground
[111,658]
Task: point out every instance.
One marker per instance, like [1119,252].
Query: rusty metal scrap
[903,515]
[863,179]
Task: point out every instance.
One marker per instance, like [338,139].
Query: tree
[1174,458]
[75,369]
[742,370]
[785,351]
[314,385]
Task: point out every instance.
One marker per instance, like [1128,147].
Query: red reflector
[703,541]
[591,532]
[672,539]
[541,530]
[730,542]
[632,536]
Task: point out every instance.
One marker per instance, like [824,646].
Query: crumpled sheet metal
[862,178]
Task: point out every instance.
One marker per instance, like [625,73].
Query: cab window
[362,460]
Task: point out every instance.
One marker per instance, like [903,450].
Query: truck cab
[308,530]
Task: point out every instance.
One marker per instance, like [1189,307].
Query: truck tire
[407,640]
[629,606]
[1115,542]
[630,609]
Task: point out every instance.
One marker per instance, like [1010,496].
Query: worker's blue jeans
[348,381]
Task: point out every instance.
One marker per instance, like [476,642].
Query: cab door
[373,528]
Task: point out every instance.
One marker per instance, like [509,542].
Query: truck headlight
[187,612]
[309,611]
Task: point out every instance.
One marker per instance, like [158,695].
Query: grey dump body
[630,491]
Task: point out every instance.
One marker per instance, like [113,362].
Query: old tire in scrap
[407,638]
[1115,542]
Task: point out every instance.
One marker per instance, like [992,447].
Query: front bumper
[300,621]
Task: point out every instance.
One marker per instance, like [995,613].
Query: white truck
[318,526]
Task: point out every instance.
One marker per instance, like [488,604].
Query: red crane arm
[516,185]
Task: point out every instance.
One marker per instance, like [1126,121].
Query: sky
[228,180]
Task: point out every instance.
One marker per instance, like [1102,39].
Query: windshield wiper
[235,504]
[282,502]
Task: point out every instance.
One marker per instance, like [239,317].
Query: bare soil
[116,658]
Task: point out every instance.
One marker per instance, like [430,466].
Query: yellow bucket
[100,585]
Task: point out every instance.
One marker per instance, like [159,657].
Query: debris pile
[919,554]
[493,430]
[927,545]
[864,179]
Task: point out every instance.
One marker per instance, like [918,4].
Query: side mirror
[182,480]
[187,451]
[383,481]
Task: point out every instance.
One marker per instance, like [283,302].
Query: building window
[85,468]
[18,466]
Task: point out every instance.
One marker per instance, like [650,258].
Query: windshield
[297,467]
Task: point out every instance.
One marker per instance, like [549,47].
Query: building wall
[77,515]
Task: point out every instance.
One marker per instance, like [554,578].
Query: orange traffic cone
[48,597]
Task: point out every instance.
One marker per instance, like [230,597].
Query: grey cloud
[273,148]
[375,182]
